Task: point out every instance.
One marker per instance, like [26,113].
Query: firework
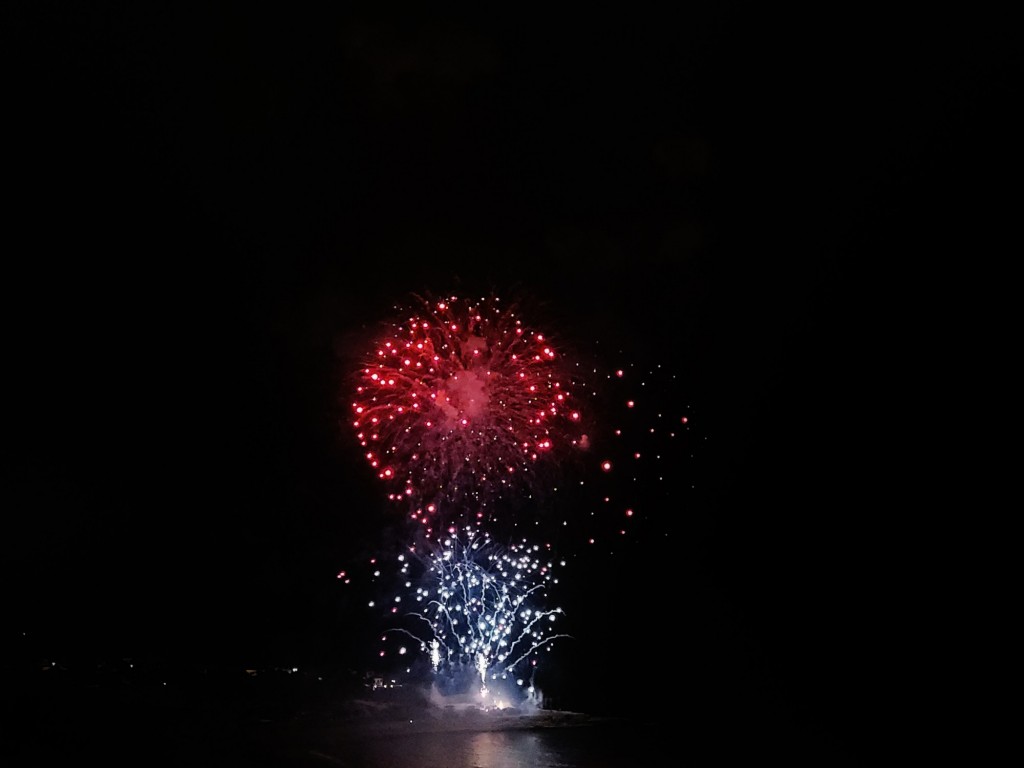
[479,610]
[464,412]
[460,403]
[642,473]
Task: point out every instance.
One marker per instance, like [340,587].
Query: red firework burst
[460,404]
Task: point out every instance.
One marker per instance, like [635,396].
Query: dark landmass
[134,712]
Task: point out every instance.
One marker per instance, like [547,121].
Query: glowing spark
[462,404]
[483,614]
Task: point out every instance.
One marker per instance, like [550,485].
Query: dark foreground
[287,718]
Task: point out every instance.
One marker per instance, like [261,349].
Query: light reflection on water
[596,745]
[555,748]
[505,750]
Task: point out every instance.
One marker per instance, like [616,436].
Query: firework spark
[464,412]
[643,472]
[460,403]
[479,610]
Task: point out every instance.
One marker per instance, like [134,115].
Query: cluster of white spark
[479,609]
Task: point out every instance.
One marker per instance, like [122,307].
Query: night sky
[206,214]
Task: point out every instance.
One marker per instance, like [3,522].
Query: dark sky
[203,213]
